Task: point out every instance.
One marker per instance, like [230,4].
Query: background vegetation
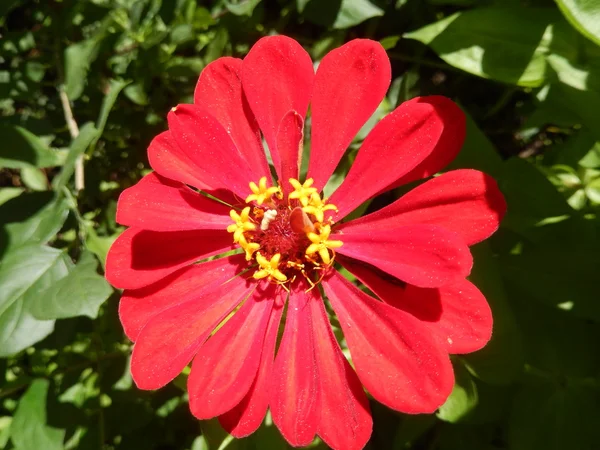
[526,72]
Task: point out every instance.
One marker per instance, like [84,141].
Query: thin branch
[74,130]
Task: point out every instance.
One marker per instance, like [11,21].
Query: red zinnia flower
[225,313]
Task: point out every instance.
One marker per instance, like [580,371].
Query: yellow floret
[261,193]
[302,192]
[241,225]
[321,244]
[317,207]
[268,268]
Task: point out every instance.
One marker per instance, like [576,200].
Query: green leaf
[78,58]
[501,360]
[136,93]
[28,428]
[353,12]
[34,178]
[523,185]
[592,191]
[21,149]
[574,60]
[80,293]
[558,345]
[584,15]
[462,400]
[9,193]
[25,274]
[554,417]
[7,5]
[242,7]
[504,44]
[114,89]
[98,245]
[477,152]
[5,422]
[86,136]
[301,4]
[560,276]
[31,218]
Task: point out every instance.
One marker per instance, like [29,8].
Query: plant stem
[74,131]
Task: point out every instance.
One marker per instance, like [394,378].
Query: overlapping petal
[204,141]
[289,147]
[344,415]
[458,315]
[168,160]
[350,83]
[423,255]
[138,306]
[245,418]
[277,76]
[225,367]
[467,202]
[294,383]
[397,145]
[158,204]
[170,339]
[395,357]
[140,257]
[219,90]
[450,142]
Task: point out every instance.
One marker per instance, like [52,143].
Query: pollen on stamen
[286,237]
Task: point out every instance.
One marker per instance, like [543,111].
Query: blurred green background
[526,72]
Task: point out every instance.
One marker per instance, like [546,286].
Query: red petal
[167,159]
[219,90]
[294,381]
[205,142]
[157,204]
[423,255]
[345,420]
[140,257]
[458,315]
[277,76]
[138,306]
[289,148]
[397,144]
[245,418]
[466,202]
[350,83]
[396,359]
[170,339]
[225,367]
[450,143]
[465,322]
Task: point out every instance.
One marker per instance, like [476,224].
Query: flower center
[285,237]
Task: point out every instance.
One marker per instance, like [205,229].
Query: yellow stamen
[302,192]
[269,268]
[261,193]
[241,225]
[317,207]
[321,244]
[249,247]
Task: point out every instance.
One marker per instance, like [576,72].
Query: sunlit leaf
[21,148]
[584,15]
[28,429]
[501,43]
[25,274]
[80,293]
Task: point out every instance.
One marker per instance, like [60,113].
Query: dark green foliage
[526,72]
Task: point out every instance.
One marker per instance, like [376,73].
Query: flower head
[212,193]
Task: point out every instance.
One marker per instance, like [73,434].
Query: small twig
[74,131]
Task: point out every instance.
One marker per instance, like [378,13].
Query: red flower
[225,313]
